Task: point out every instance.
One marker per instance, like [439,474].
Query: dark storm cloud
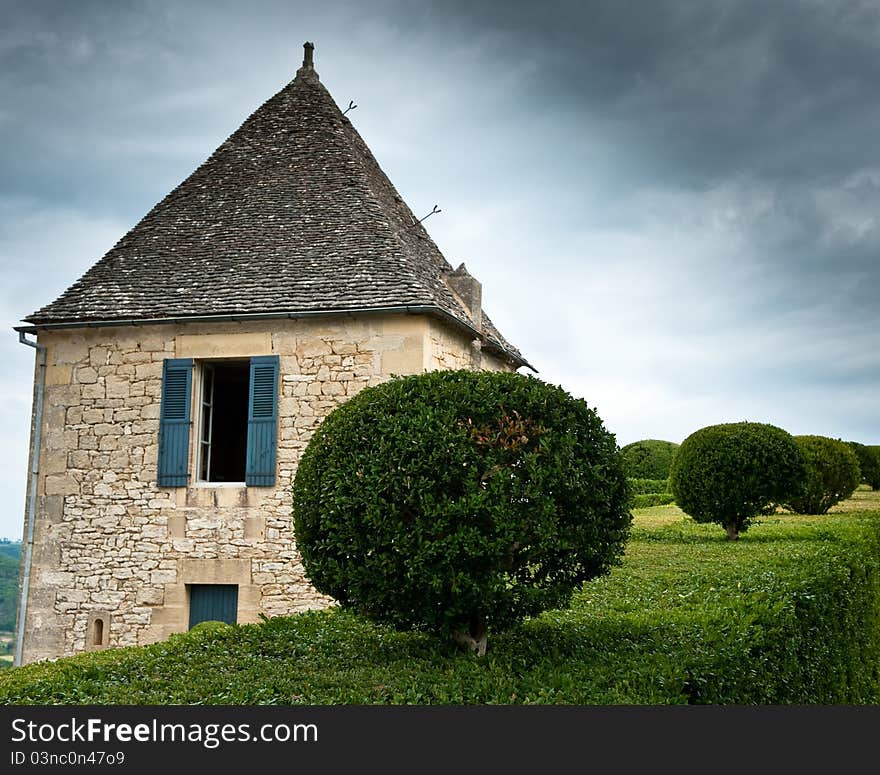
[782,95]
[109,105]
[687,93]
[705,89]
[779,98]
[63,65]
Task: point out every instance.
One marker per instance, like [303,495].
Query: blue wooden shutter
[173,468]
[262,421]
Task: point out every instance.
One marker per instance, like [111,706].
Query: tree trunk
[732,532]
[476,638]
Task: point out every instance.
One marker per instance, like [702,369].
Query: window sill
[209,485]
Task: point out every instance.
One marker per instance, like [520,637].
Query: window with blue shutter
[174,423]
[237,428]
[262,431]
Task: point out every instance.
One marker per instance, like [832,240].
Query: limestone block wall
[112,546]
[446,349]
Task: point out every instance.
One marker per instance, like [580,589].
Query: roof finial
[307,71]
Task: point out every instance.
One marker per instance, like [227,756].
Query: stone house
[179,380]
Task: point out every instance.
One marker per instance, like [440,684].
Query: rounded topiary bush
[831,474]
[869,463]
[733,472]
[207,628]
[457,501]
[648,458]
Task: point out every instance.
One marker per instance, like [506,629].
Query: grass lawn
[788,614]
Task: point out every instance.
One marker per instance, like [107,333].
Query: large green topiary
[648,458]
[733,472]
[831,474]
[869,463]
[457,501]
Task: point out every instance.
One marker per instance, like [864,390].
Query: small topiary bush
[731,473]
[869,463]
[831,474]
[457,501]
[208,626]
[648,459]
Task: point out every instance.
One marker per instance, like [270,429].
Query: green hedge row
[788,614]
[648,486]
[650,492]
[805,630]
[653,499]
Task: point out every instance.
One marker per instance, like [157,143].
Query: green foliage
[10,549]
[455,500]
[649,458]
[791,617]
[650,492]
[208,626]
[874,481]
[831,474]
[644,500]
[647,486]
[731,473]
[9,568]
[869,463]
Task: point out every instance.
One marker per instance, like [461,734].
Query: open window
[224,421]
[236,422]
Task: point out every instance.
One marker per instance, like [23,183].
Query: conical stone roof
[290,215]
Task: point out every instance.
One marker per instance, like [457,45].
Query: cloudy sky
[672,206]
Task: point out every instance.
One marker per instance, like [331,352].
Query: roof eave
[412,309]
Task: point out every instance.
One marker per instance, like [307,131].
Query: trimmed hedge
[648,458]
[650,492]
[645,500]
[791,617]
[648,486]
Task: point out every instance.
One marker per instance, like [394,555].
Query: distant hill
[10,554]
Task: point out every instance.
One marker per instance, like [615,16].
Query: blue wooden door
[213,603]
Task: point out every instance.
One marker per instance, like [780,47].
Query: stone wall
[112,546]
[450,350]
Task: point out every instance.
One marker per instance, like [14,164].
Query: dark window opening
[213,603]
[98,632]
[224,421]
